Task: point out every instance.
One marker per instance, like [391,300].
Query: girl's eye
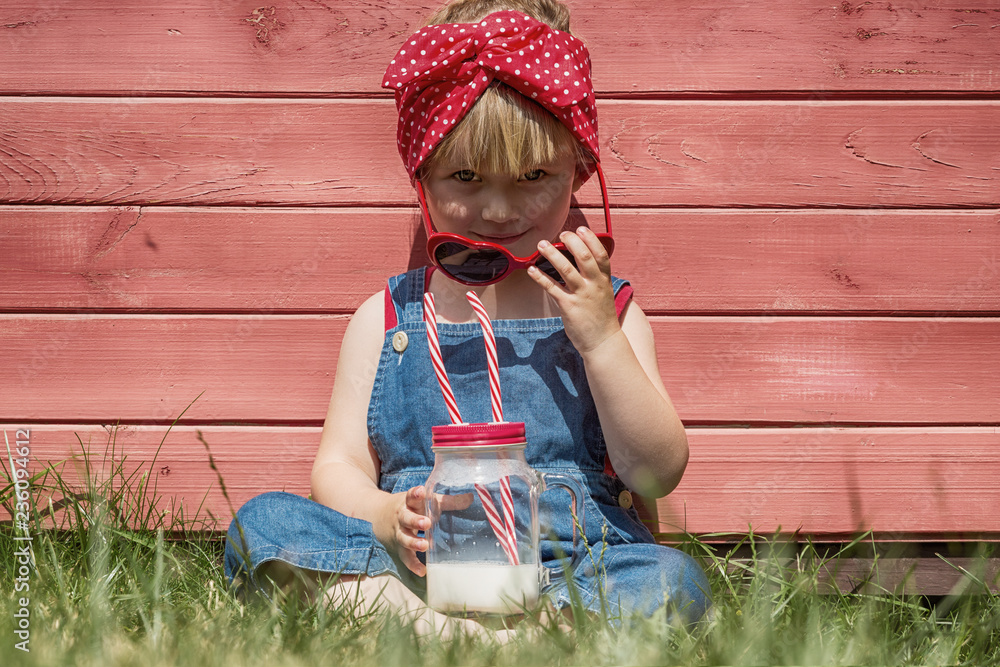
[533,175]
[465,175]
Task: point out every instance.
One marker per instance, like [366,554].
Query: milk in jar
[493,588]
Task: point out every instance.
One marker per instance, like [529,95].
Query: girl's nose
[499,208]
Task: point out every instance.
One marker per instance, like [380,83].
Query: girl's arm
[346,470]
[644,435]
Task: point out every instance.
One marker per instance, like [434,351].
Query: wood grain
[296,47]
[274,260]
[821,482]
[912,482]
[935,574]
[195,194]
[279,369]
[306,153]
[181,480]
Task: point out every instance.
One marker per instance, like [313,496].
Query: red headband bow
[443,69]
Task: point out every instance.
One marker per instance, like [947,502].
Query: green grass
[105,593]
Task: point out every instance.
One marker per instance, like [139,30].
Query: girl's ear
[577,180]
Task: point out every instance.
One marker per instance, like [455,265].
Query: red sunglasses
[483,263]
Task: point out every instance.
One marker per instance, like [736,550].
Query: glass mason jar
[482,500]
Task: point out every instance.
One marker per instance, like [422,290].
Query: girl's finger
[408,527]
[412,563]
[559,262]
[457,501]
[414,522]
[594,243]
[546,282]
[415,499]
[587,261]
[412,542]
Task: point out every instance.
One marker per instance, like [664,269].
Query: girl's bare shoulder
[367,326]
[371,312]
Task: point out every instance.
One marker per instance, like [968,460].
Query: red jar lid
[478,435]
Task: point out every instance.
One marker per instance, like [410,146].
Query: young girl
[497,130]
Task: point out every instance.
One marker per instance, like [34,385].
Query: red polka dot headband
[443,69]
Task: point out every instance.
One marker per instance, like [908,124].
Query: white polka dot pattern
[442,70]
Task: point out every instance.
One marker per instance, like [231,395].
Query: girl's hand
[586,300]
[408,519]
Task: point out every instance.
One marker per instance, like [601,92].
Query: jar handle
[576,491]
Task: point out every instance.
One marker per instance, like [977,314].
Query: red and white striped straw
[507,503]
[508,540]
[430,319]
[492,363]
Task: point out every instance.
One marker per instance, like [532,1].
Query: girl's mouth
[505,239]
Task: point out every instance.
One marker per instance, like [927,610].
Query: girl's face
[515,212]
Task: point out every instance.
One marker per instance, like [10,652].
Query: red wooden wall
[196,194]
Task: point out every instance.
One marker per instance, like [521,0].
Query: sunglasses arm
[604,198]
[422,199]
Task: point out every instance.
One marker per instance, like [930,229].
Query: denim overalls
[544,385]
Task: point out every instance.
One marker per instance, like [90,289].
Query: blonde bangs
[505,133]
[552,12]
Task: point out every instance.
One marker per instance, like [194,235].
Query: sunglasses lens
[470,265]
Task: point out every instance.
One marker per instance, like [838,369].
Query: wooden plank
[929,575]
[181,480]
[806,370]
[115,46]
[156,258]
[149,368]
[280,368]
[927,483]
[873,566]
[900,482]
[300,152]
[330,260]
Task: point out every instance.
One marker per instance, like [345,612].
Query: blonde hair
[551,12]
[504,132]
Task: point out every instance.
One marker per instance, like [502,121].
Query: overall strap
[404,297]
[623,294]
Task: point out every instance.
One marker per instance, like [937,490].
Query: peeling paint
[843,279]
[863,34]
[917,147]
[849,9]
[652,143]
[861,153]
[112,236]
[613,145]
[263,19]
[690,154]
[897,70]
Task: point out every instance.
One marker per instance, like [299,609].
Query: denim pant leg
[301,532]
[638,579]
